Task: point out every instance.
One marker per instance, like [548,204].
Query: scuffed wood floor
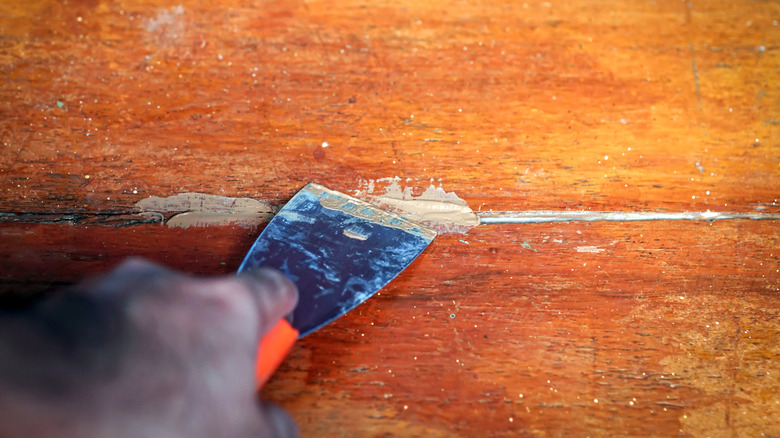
[667,328]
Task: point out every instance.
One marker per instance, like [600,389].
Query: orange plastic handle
[273,349]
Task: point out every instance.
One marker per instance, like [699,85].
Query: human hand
[143,351]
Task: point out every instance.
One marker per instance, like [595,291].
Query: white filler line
[535,217]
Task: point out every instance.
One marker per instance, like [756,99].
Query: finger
[278,422]
[127,277]
[135,266]
[275,295]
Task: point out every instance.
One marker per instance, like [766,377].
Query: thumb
[274,294]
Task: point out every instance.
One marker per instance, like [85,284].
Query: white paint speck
[325,144]
[591,249]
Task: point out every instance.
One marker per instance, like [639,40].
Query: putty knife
[339,251]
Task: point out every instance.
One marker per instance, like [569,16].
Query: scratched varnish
[570,329]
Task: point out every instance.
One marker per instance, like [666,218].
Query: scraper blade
[338,250]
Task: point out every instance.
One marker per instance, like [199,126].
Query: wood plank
[661,329]
[524,103]
[593,105]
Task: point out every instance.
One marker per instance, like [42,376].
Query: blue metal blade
[337,249]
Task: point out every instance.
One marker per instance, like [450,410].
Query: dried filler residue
[200,210]
[441,210]
[592,249]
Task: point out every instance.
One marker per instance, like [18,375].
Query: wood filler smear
[443,211]
[201,210]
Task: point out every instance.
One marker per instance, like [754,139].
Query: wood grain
[602,329]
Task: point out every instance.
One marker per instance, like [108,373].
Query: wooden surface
[573,329]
